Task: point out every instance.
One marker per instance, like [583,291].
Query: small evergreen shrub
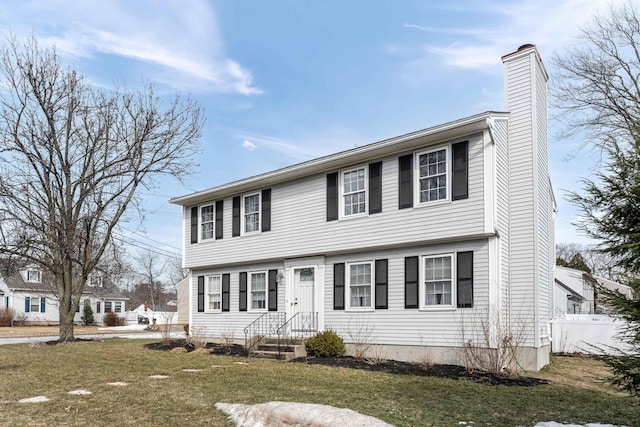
[6,316]
[112,319]
[325,344]
[87,315]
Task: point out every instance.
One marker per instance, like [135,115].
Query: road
[123,334]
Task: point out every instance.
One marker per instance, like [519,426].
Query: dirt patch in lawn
[388,366]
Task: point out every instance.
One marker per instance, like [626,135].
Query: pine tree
[87,315]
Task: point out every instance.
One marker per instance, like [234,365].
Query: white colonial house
[410,244]
[28,291]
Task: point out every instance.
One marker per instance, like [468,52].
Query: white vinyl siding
[360,286]
[251,213]
[207,222]
[258,291]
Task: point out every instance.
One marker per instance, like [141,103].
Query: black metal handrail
[265,325]
[295,327]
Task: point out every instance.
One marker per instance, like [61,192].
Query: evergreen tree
[87,315]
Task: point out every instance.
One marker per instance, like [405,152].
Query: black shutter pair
[218,215]
[225,293]
[381,278]
[375,191]
[464,281]
[272,288]
[460,178]
[265,200]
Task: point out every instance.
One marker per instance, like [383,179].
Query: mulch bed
[389,366]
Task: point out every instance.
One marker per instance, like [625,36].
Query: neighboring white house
[28,292]
[573,292]
[411,244]
[162,314]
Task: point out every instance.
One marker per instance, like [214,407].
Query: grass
[578,393]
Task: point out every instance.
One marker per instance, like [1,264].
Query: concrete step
[268,354]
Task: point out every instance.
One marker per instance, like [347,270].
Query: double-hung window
[251,212]
[118,307]
[107,306]
[34,276]
[214,293]
[206,222]
[353,187]
[438,281]
[432,176]
[35,304]
[360,286]
[258,291]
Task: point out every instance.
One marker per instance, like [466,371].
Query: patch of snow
[118,383]
[218,366]
[192,370]
[158,377]
[274,414]
[80,392]
[124,328]
[36,399]
[241,363]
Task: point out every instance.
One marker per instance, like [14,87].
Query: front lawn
[195,382]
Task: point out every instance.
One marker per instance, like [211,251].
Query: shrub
[112,319]
[325,344]
[186,329]
[6,316]
[87,315]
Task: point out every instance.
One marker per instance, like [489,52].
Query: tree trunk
[66,329]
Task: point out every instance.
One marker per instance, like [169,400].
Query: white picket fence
[579,333]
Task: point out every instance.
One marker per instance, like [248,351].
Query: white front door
[304,281]
[304,290]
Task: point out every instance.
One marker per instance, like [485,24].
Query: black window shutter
[338,286]
[465,279]
[226,278]
[273,290]
[332,196]
[381,283]
[219,218]
[243,292]
[266,210]
[375,187]
[235,224]
[200,294]
[411,282]
[194,225]
[460,170]
[405,194]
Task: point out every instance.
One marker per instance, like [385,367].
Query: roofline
[455,129]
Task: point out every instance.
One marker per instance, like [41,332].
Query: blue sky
[285,81]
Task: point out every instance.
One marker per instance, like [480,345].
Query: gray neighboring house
[408,245]
[573,292]
[28,291]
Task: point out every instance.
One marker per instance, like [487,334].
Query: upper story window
[95,281]
[206,222]
[353,187]
[438,283]
[214,293]
[34,276]
[432,175]
[360,285]
[258,291]
[251,212]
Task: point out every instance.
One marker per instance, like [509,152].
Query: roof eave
[455,129]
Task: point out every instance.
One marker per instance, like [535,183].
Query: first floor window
[35,305]
[258,291]
[360,285]
[432,176]
[214,293]
[206,222]
[118,307]
[107,307]
[251,213]
[438,281]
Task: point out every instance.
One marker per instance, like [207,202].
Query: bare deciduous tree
[73,159]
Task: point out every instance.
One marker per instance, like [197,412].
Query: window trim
[38,304]
[243,223]
[421,281]
[110,309]
[341,194]
[38,278]
[250,291]
[347,286]
[201,237]
[207,293]
[416,175]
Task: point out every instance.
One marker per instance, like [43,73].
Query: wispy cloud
[180,41]
[248,145]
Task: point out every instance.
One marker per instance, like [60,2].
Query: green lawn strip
[188,397]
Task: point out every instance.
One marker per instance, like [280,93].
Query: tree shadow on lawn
[388,366]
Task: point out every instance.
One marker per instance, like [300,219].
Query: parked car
[143,320]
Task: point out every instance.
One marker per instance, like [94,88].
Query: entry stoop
[268,349]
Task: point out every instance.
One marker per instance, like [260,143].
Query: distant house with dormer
[29,291]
